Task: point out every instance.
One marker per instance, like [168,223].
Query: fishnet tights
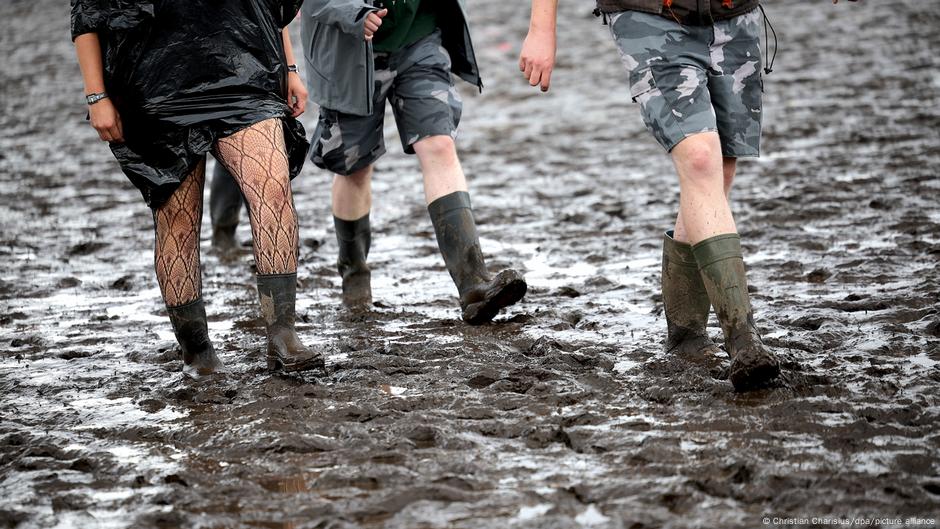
[176,256]
[257,158]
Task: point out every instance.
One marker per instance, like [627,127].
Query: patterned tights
[256,157]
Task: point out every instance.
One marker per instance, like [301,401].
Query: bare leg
[729,167]
[440,167]
[703,204]
[352,194]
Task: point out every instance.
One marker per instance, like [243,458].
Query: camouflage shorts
[416,81]
[691,79]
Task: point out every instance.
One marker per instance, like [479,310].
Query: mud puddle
[563,414]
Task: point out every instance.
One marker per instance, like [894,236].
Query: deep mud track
[565,413]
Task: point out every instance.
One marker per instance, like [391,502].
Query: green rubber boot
[722,269]
[685,302]
[481,295]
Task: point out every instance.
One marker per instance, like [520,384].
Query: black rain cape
[184,73]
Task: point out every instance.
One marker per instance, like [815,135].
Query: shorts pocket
[642,85]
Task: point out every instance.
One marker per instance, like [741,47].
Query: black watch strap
[91,99]
[292,68]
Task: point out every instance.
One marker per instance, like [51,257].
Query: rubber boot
[225,202]
[192,333]
[354,238]
[722,269]
[685,302]
[278,294]
[481,296]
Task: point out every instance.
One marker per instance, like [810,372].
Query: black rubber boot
[225,203]
[192,333]
[354,238]
[685,302]
[481,296]
[278,294]
[722,269]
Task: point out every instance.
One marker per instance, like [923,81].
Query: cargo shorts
[416,81]
[692,79]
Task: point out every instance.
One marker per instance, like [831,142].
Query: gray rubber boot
[685,302]
[481,295]
[354,238]
[722,269]
[192,333]
[278,295]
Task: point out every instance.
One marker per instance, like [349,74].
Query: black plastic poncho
[184,73]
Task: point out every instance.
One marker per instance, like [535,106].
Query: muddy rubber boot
[722,269]
[278,294]
[192,333]
[481,296]
[223,239]
[225,203]
[354,238]
[685,302]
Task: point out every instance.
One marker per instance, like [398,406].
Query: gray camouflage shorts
[691,79]
[417,82]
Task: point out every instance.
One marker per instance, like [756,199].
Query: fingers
[118,131]
[545,80]
[301,106]
[373,23]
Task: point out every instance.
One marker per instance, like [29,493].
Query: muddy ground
[565,412]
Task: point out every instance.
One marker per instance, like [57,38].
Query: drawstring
[768,66]
[599,13]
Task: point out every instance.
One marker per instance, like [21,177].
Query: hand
[296,94]
[538,58]
[373,23]
[106,120]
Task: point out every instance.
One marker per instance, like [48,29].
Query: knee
[436,148]
[700,162]
[359,178]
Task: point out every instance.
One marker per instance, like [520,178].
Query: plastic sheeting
[183,74]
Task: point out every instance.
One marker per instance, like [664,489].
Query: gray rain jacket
[340,68]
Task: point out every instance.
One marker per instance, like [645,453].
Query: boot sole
[277,364]
[512,288]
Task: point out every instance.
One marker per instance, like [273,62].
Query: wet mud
[565,412]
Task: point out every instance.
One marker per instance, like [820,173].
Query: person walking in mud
[359,55]
[694,68]
[168,82]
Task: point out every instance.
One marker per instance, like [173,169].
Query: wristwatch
[292,68]
[91,99]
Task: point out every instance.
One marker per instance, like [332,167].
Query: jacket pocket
[322,57]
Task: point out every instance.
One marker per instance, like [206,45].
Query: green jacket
[340,67]
[691,12]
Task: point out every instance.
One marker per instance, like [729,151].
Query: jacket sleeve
[88,16]
[347,15]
